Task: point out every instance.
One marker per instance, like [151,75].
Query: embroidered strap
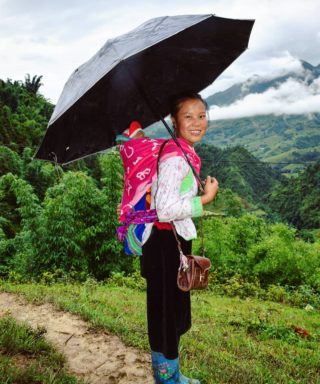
[136,217]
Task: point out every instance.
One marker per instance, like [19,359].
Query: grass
[27,358]
[231,340]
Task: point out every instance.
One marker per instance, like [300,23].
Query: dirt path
[98,357]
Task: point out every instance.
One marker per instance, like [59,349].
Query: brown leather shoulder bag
[193,272]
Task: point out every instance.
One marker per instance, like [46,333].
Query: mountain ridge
[257,84]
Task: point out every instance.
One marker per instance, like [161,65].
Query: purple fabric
[136,217]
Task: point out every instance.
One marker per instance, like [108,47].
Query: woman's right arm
[168,201]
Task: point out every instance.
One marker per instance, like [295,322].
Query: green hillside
[275,139]
[294,199]
[297,199]
[237,169]
[53,217]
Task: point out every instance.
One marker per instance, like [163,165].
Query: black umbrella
[134,76]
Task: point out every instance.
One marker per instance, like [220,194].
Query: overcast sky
[53,37]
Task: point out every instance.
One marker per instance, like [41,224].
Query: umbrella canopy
[134,76]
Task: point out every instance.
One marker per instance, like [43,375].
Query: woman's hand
[211,188]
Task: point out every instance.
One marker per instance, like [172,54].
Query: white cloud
[52,38]
[292,97]
[257,71]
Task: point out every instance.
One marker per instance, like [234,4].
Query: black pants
[168,308]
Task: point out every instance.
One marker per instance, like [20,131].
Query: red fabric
[166,226]
[133,127]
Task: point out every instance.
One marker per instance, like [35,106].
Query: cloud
[284,31]
[52,38]
[257,71]
[291,97]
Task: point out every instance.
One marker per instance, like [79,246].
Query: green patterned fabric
[197,209]
[134,244]
[185,187]
[187,182]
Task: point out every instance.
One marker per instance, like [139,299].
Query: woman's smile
[196,132]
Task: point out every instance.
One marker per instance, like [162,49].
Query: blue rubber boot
[167,370]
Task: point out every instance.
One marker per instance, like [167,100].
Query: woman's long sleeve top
[174,195]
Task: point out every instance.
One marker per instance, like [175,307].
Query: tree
[19,209]
[297,199]
[76,229]
[41,175]
[9,161]
[23,116]
[32,85]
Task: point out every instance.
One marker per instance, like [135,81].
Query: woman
[173,195]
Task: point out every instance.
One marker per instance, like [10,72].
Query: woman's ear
[173,121]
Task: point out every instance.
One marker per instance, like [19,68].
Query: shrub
[76,230]
[277,293]
[238,286]
[41,175]
[227,243]
[19,208]
[282,259]
[9,161]
[134,280]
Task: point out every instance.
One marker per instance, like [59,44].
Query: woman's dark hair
[176,101]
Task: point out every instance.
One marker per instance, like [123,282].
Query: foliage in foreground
[27,358]
[71,231]
[256,250]
[231,340]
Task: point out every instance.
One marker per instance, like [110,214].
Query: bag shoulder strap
[176,236]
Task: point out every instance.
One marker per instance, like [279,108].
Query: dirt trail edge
[97,357]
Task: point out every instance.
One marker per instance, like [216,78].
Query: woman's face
[191,121]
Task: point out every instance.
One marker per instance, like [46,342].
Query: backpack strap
[159,155]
